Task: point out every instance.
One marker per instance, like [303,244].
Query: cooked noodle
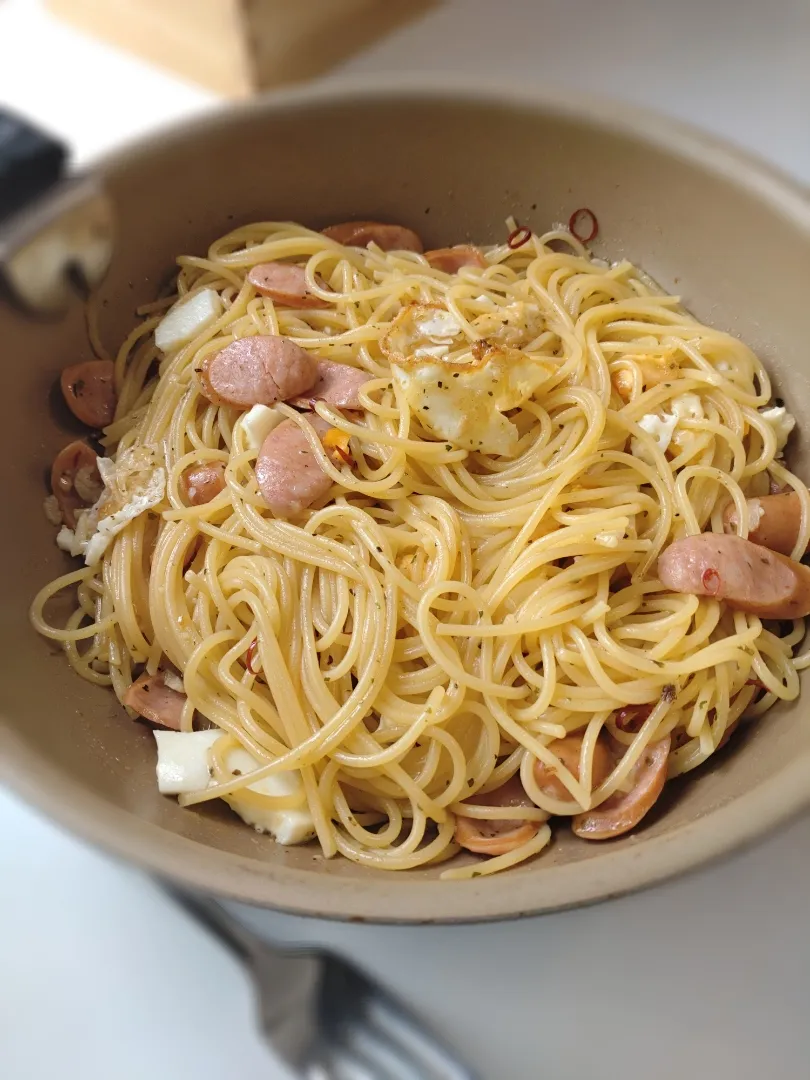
[442,615]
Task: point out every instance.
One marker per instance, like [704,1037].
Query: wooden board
[236,47]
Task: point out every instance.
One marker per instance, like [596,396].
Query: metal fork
[325,1017]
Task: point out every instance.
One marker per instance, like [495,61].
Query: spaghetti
[450,633]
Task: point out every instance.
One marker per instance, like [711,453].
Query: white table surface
[708,977]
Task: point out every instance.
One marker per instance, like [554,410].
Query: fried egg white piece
[664,426]
[257,423]
[460,390]
[188,318]
[290,826]
[183,760]
[184,766]
[423,330]
[513,325]
[132,485]
[782,423]
[464,402]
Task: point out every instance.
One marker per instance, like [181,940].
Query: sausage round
[76,460]
[285,283]
[89,392]
[257,371]
[451,259]
[746,576]
[200,484]
[288,473]
[621,813]
[773,520]
[497,836]
[336,384]
[151,698]
[568,751]
[363,233]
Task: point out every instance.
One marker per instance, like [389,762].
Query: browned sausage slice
[287,472]
[633,717]
[732,727]
[285,284]
[451,259]
[497,836]
[621,813]
[191,552]
[257,371]
[75,481]
[363,233]
[201,483]
[336,384]
[150,697]
[568,751]
[89,392]
[773,521]
[747,576]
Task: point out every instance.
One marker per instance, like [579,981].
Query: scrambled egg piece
[290,826]
[132,485]
[188,318]
[664,426]
[652,371]
[782,423]
[513,325]
[460,393]
[610,538]
[427,330]
[257,423]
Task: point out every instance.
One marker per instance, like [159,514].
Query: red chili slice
[711,581]
[518,237]
[590,216]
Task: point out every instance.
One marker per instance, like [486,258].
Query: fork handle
[284,979]
[295,989]
[243,943]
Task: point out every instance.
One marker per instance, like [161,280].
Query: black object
[30,162]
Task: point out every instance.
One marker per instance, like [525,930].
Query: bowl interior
[713,228]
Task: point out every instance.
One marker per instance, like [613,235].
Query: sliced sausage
[336,384]
[568,751]
[285,284]
[632,717]
[287,472]
[747,576]
[732,727]
[621,813]
[191,552]
[257,371]
[200,484]
[451,259]
[150,697]
[89,392]
[363,233]
[75,481]
[773,521]
[497,836]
